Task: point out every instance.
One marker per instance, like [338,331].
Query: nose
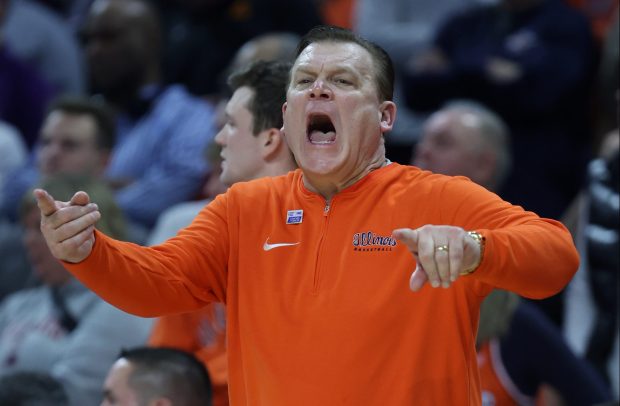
[219,137]
[49,151]
[319,90]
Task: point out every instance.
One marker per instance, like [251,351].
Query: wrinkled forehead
[335,55]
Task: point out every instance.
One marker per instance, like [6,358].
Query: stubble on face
[333,89]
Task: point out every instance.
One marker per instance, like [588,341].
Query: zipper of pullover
[317,270]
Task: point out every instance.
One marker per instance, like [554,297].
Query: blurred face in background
[116,46]
[69,145]
[45,266]
[241,157]
[451,145]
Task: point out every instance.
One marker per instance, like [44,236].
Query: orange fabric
[325,321]
[202,333]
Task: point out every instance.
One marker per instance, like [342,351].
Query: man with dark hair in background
[157,376]
[76,137]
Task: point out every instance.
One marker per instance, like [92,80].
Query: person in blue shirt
[162,130]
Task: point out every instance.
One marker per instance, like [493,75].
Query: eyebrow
[307,69]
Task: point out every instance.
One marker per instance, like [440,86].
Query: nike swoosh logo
[269,247]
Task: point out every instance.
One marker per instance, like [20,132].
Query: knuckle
[94,216]
[425,256]
[70,245]
[84,210]
[427,228]
[62,215]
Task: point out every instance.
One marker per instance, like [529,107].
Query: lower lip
[323,143]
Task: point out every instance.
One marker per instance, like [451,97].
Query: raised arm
[185,274]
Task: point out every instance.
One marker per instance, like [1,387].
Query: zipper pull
[326,209]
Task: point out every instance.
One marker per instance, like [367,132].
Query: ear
[388,115]
[271,141]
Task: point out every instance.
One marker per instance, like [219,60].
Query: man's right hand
[68,227]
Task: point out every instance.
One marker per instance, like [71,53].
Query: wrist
[480,240]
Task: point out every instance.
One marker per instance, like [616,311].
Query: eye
[228,120]
[69,145]
[304,81]
[343,81]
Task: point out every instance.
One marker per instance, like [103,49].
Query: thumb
[80,199]
[45,201]
[418,279]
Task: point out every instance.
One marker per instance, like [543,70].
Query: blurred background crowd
[124,98]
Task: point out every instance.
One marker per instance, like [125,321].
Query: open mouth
[320,130]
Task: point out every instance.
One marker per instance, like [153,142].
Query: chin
[321,167]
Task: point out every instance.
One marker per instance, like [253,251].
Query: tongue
[319,137]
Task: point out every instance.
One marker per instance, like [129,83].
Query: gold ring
[442,248]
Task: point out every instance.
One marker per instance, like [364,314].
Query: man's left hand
[442,253]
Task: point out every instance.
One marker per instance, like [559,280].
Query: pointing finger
[409,237]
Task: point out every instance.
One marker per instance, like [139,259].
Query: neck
[277,169]
[328,188]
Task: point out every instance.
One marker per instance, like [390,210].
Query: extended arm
[184,274]
[524,253]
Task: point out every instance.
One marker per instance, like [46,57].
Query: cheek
[45,155]
[235,146]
